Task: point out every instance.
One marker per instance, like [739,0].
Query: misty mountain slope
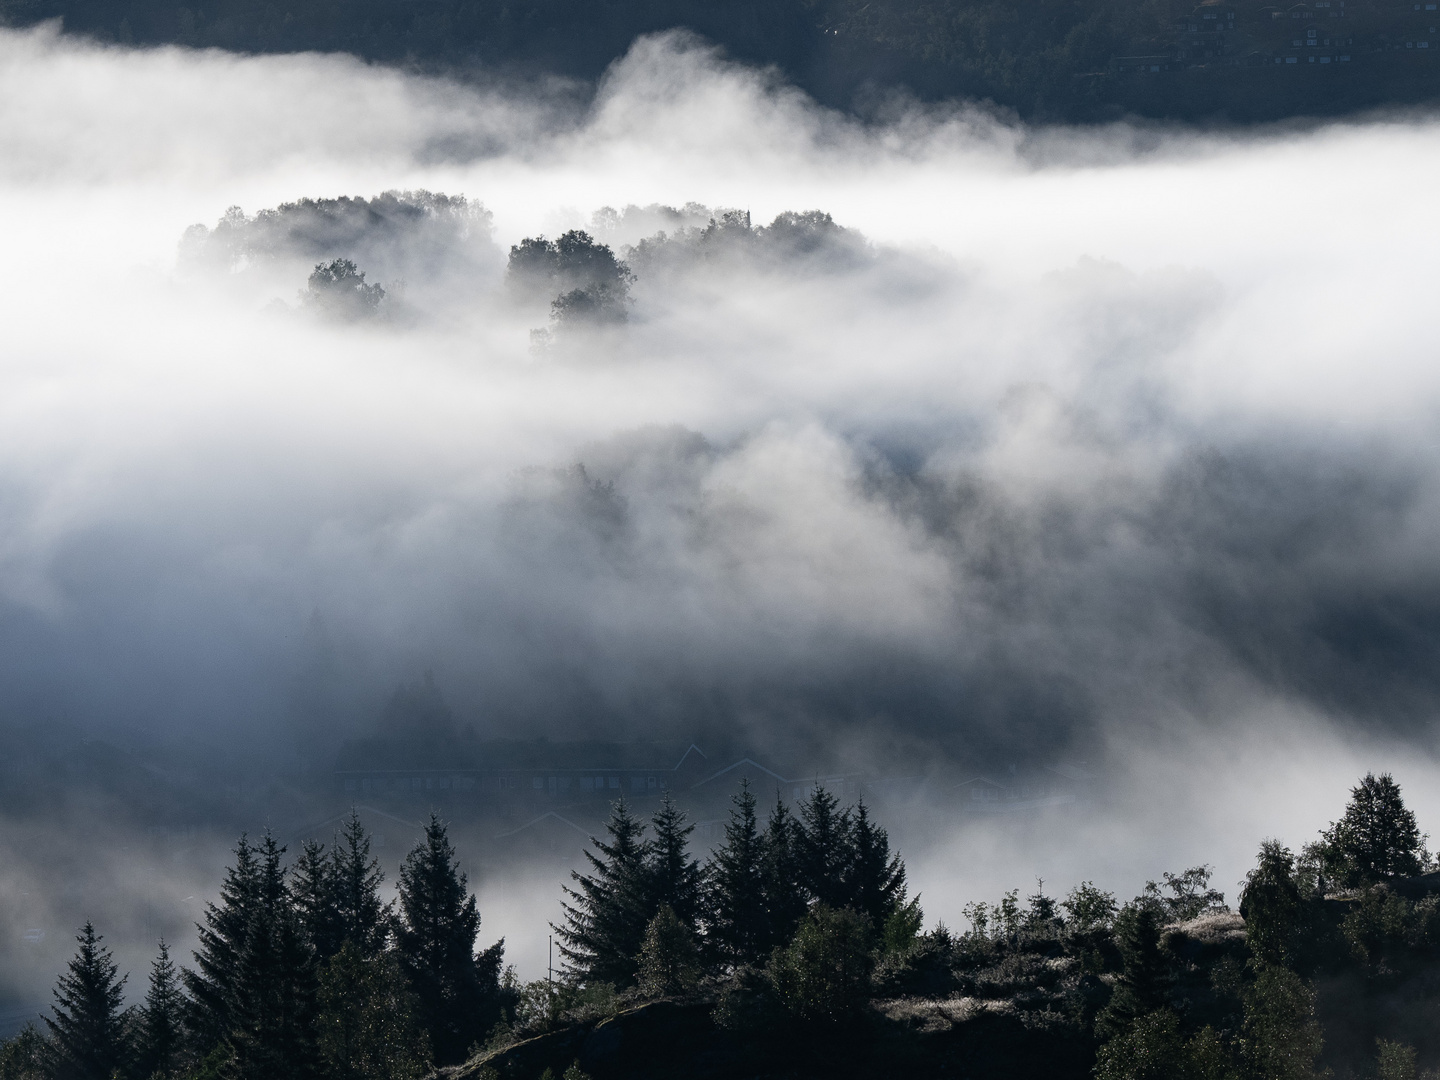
[1034,616]
[1045,61]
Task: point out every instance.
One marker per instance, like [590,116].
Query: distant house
[1023,790]
[1207,33]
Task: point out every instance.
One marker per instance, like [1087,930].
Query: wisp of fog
[1114,444]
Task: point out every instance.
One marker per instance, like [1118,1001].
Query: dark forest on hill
[792,950]
[1048,60]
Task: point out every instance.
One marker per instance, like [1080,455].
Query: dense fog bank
[1006,443]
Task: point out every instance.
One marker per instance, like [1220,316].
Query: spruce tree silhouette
[355,880]
[312,889]
[780,887]
[823,848]
[160,1030]
[605,917]
[674,878]
[222,937]
[874,878]
[87,1032]
[457,992]
[737,923]
[272,1032]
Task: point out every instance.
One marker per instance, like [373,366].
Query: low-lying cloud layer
[1106,443]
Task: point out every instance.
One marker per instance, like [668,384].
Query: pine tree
[824,845]
[736,919]
[88,1030]
[355,880]
[875,879]
[274,996]
[1378,837]
[312,889]
[780,887]
[222,941]
[1143,981]
[458,993]
[606,916]
[160,1030]
[674,879]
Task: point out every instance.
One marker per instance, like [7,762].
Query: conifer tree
[737,923]
[1142,984]
[312,889]
[355,878]
[272,1022]
[217,959]
[875,879]
[160,1030]
[606,916]
[823,848]
[87,1032]
[780,888]
[457,992]
[674,879]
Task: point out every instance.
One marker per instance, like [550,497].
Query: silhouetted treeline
[300,972]
[650,914]
[791,951]
[1047,60]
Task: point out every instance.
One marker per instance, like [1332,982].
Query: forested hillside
[793,950]
[1047,59]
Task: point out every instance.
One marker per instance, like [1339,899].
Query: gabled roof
[313,830]
[685,756]
[738,764]
[981,780]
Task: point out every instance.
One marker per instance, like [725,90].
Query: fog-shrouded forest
[440,460]
[793,949]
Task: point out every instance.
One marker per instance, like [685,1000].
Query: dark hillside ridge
[1078,60]
[661,1040]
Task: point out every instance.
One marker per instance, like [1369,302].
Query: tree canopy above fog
[391,222]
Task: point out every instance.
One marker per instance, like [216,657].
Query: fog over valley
[898,451]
